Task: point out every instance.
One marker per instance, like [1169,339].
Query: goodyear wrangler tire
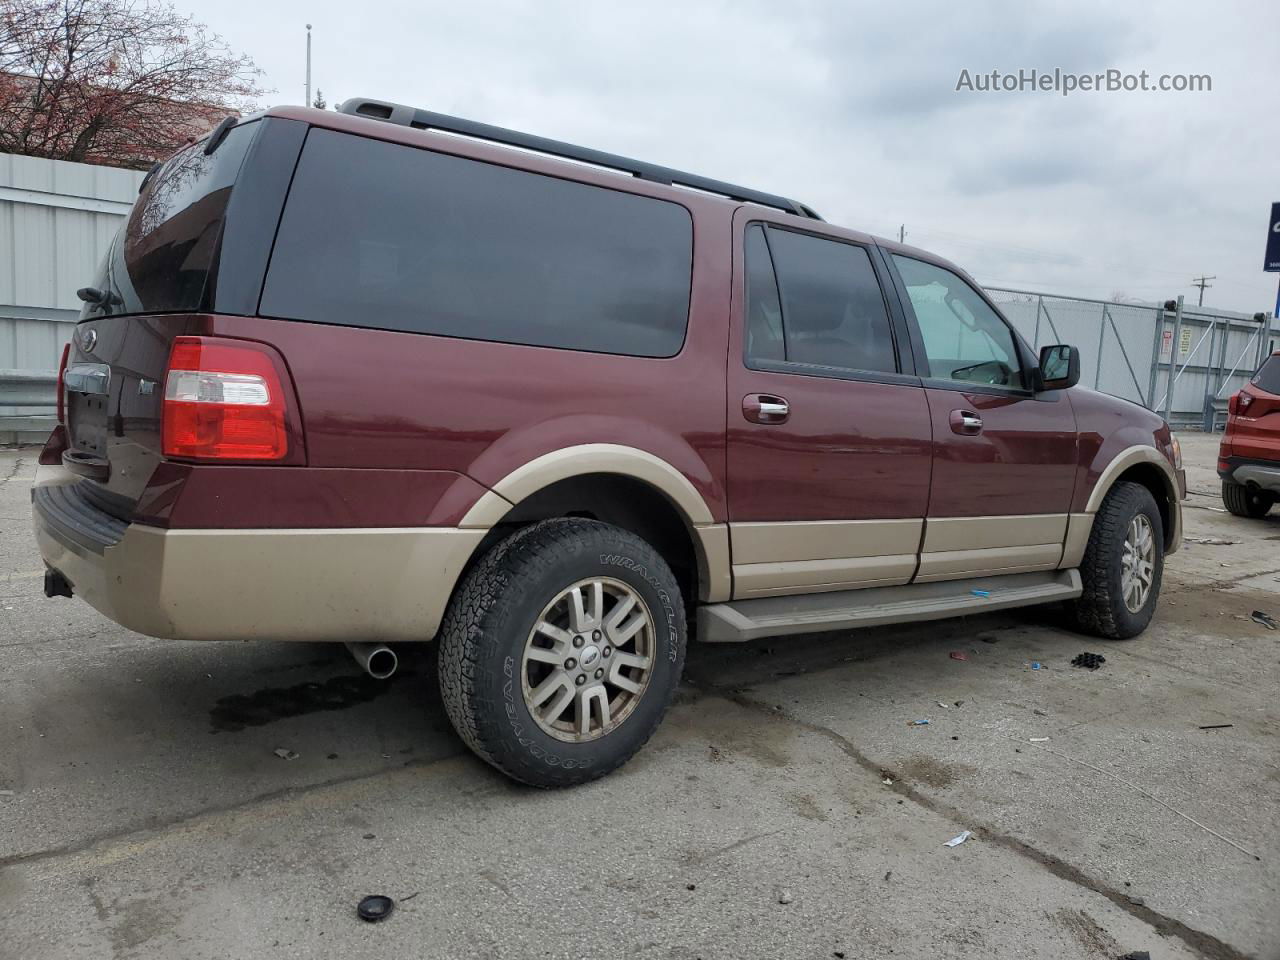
[561,650]
[1123,565]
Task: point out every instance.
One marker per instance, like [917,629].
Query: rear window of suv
[1268,375]
[381,235]
[163,257]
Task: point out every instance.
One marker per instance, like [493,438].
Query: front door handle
[965,422]
[765,408]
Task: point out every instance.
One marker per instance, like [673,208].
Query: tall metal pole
[1174,349]
[307,102]
[1155,358]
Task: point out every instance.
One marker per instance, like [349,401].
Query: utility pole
[307,102]
[1202,282]
[902,233]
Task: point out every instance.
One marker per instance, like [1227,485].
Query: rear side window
[381,235]
[815,301]
[163,257]
[1268,375]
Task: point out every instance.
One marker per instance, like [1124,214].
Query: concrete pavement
[150,817]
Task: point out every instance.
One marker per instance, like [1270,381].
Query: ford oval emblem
[88,339]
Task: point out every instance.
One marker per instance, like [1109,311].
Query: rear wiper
[99,298]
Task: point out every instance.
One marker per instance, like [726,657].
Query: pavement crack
[702,858]
[1206,944]
[114,836]
[18,463]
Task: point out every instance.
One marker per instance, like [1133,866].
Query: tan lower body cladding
[776,559]
[368,584]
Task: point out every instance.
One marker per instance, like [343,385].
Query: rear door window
[163,257]
[382,235]
[816,302]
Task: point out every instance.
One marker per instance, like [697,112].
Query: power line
[1202,282]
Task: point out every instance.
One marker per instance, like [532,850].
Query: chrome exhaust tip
[376,659]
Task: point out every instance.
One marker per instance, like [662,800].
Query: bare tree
[120,82]
[319,102]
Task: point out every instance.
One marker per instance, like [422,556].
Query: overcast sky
[853,109]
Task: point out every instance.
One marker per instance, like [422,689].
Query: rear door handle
[765,408]
[965,422]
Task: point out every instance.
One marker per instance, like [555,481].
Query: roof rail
[426,120]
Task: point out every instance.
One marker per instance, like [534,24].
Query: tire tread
[1241,502]
[519,560]
[1098,609]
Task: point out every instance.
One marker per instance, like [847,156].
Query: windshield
[160,261]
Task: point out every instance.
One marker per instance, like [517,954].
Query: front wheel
[1122,565]
[1246,502]
[561,650]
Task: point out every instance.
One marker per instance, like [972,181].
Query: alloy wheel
[1137,563]
[588,659]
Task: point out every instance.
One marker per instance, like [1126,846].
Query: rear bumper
[389,584]
[1264,474]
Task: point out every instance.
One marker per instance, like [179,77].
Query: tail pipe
[377,659]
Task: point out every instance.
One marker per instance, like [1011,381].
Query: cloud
[852,108]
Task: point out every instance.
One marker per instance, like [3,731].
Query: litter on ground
[1090,661]
[285,754]
[959,655]
[375,908]
[1265,619]
[956,841]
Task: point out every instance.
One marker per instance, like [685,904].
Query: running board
[742,620]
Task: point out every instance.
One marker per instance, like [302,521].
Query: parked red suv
[375,376]
[1249,458]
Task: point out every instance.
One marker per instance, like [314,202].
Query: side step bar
[742,620]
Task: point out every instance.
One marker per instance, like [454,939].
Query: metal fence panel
[56,220]
[1129,350]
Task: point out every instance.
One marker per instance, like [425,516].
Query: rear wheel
[1123,564]
[1246,502]
[561,650]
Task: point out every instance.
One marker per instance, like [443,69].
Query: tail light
[62,386]
[223,400]
[1243,400]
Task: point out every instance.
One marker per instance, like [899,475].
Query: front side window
[816,302]
[964,339]
[382,235]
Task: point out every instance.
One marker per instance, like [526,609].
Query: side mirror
[1059,367]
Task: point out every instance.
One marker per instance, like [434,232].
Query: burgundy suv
[374,376]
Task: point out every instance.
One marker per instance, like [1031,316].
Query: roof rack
[426,120]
